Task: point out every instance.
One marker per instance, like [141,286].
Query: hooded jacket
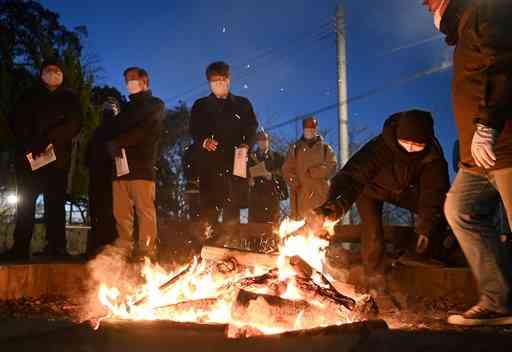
[384,168]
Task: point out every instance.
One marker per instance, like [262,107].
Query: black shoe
[14,256]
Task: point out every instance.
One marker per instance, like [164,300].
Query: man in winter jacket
[404,166]
[140,124]
[482,102]
[101,170]
[220,123]
[46,114]
[309,165]
[267,188]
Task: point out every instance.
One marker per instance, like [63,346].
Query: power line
[267,53]
[365,95]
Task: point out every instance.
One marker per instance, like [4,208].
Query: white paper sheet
[240,165]
[44,159]
[122,164]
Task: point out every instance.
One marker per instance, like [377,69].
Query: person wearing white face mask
[46,114]
[268,187]
[404,166]
[219,123]
[138,133]
[308,168]
[482,103]
[103,229]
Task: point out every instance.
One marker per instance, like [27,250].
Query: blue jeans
[470,208]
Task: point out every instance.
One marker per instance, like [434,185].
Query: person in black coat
[46,114]
[101,171]
[220,123]
[267,190]
[404,166]
[140,126]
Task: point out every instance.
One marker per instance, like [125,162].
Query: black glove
[39,145]
[113,149]
[331,210]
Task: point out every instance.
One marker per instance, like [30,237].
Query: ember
[254,292]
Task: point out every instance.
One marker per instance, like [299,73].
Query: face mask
[262,145]
[412,147]
[134,86]
[438,14]
[309,133]
[53,79]
[220,88]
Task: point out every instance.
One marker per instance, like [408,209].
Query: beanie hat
[415,126]
[310,122]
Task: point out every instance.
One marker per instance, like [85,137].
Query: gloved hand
[39,145]
[331,210]
[422,244]
[482,147]
[113,149]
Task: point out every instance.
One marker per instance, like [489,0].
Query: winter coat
[307,170]
[231,122]
[42,117]
[101,171]
[482,64]
[383,168]
[265,195]
[140,126]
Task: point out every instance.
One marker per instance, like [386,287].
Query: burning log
[266,311]
[242,257]
[311,290]
[199,309]
[166,284]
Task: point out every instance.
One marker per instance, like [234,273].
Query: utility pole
[341,43]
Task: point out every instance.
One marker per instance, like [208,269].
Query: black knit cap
[53,61]
[415,126]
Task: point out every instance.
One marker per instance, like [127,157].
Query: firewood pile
[279,296]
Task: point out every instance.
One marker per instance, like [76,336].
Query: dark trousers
[51,182]
[218,196]
[103,224]
[370,208]
[264,203]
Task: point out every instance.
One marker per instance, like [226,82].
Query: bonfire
[253,293]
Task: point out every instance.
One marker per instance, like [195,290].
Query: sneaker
[480,316]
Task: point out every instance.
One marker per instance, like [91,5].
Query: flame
[198,281]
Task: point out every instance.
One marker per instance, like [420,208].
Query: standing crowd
[404,165]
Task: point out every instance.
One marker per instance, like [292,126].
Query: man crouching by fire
[404,166]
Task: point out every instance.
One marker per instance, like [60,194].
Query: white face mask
[438,14]
[412,147]
[220,88]
[310,133]
[263,145]
[53,78]
[134,86]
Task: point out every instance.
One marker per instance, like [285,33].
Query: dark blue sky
[283,54]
